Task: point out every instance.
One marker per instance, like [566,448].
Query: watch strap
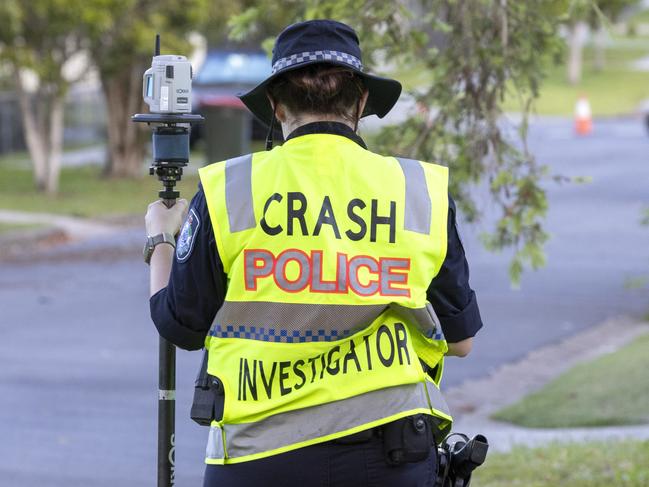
[152,242]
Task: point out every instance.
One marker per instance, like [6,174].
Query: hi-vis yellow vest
[329,250]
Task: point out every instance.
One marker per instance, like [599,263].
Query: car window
[233,68]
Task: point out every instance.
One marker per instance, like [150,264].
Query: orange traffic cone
[583,116]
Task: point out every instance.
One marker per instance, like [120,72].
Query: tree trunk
[600,48]
[43,124]
[33,139]
[55,144]
[576,39]
[126,140]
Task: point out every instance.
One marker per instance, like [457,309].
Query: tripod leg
[166,414]
[167,378]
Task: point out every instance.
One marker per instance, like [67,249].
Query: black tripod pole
[170,155]
[167,364]
[167,389]
[166,413]
[166,406]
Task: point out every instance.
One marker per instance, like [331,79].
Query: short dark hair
[319,89]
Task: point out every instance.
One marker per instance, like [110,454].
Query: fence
[85,117]
[11,125]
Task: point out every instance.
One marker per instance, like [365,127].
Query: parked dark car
[223,75]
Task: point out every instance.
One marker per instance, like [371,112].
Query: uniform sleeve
[452,298]
[183,311]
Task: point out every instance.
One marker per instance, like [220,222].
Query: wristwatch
[151,243]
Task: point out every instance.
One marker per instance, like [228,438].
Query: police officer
[327,283]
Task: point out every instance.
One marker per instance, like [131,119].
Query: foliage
[592,464]
[597,12]
[38,38]
[119,31]
[642,281]
[645,217]
[604,11]
[473,51]
[611,390]
[120,36]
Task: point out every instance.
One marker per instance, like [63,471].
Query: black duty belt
[360,437]
[405,440]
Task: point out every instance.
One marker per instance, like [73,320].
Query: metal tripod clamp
[170,149]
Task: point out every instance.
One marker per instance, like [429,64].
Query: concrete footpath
[475,400]
[74,228]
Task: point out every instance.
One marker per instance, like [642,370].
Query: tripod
[170,156]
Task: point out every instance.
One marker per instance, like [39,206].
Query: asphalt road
[78,353]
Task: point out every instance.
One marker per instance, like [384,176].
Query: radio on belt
[167,85]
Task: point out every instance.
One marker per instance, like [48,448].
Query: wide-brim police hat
[316,42]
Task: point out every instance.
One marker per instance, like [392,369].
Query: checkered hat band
[309,56]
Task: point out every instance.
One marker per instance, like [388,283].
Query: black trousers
[325,465]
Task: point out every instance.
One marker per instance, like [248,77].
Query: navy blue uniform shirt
[183,311]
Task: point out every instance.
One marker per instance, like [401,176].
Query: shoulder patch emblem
[185,242]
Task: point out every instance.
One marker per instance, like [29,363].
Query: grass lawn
[574,464]
[614,91]
[641,16]
[12,227]
[610,390]
[83,192]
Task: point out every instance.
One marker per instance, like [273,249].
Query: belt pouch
[208,396]
[407,440]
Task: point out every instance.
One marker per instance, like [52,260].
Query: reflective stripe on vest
[291,322]
[238,193]
[294,323]
[233,443]
[418,205]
